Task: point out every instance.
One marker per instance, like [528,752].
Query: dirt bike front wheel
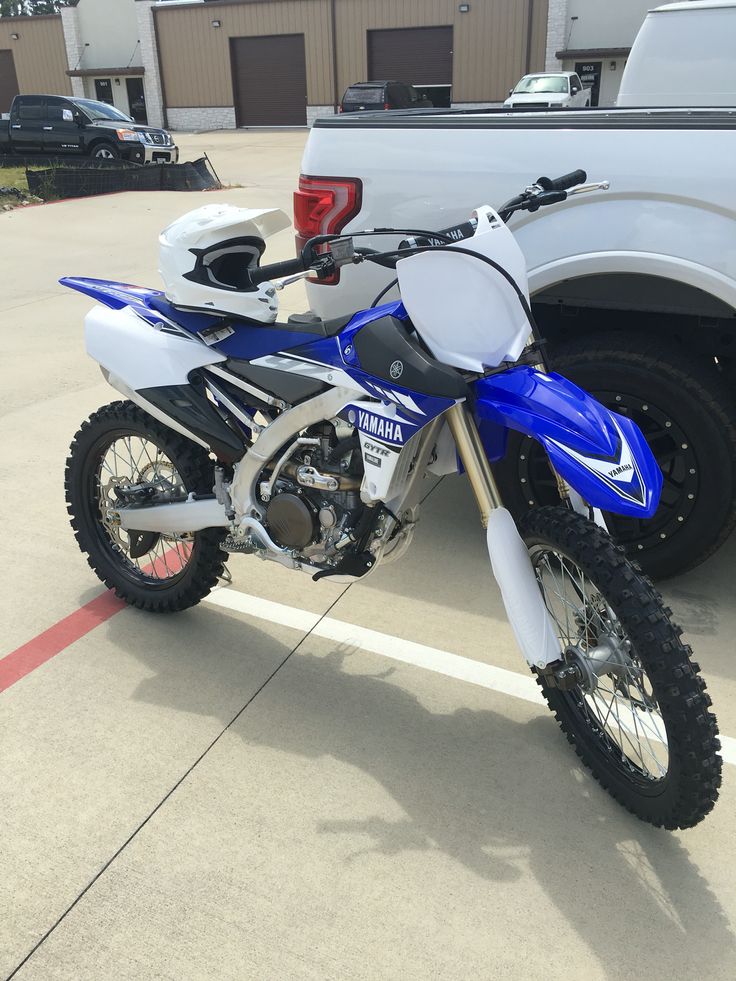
[637,714]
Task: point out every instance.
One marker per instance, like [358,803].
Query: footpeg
[232,544]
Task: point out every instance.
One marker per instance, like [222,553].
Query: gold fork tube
[470,448]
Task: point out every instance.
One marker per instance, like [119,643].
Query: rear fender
[111,294]
[601,454]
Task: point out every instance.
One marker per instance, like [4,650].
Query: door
[269,80]
[590,76]
[26,124]
[421,56]
[103,90]
[8,80]
[136,99]
[61,134]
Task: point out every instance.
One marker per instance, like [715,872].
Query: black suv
[374,96]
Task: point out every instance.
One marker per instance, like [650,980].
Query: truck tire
[688,416]
[104,151]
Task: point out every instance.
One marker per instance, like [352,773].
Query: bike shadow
[489,784]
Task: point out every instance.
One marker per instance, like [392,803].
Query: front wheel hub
[608,657]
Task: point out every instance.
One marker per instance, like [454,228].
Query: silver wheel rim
[128,460]
[620,708]
[105,154]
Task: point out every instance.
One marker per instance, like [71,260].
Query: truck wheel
[105,151]
[688,417]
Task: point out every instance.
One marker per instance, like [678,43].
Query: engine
[311,495]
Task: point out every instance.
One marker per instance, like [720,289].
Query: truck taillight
[324,206]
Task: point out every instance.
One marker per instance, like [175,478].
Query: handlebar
[563,183]
[340,249]
[277,269]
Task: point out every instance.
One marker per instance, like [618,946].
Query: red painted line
[51,642]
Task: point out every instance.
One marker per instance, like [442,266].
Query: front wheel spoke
[638,720]
[637,746]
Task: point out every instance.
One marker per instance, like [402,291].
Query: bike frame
[171,363]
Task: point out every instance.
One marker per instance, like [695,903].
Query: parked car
[53,125]
[662,69]
[548,90]
[634,289]
[372,96]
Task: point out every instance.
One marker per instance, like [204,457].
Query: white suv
[548,90]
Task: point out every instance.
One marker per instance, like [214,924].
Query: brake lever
[584,188]
[279,284]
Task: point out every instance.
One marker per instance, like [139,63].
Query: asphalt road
[300,780]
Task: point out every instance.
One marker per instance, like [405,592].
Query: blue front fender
[601,454]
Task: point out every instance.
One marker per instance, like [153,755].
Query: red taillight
[386,106]
[324,206]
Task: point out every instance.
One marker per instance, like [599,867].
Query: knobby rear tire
[206,560]
[688,791]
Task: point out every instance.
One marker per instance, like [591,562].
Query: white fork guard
[522,597]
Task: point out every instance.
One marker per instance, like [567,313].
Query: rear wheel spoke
[131,459]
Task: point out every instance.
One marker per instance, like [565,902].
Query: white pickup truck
[634,287]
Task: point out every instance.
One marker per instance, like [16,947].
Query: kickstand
[225,575]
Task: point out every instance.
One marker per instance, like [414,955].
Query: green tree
[15,8]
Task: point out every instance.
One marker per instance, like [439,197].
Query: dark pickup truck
[52,125]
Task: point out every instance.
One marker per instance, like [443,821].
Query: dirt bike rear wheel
[118,446]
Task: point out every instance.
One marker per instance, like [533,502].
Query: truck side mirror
[511,91]
[575,90]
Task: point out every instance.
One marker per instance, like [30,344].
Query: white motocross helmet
[205,254]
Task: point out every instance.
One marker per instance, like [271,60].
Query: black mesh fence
[77,181]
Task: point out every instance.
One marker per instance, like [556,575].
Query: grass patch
[12,177]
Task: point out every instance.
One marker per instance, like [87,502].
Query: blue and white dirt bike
[307,442]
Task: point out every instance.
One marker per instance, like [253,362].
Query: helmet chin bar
[206,255]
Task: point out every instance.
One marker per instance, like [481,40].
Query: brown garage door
[8,80]
[418,55]
[270,80]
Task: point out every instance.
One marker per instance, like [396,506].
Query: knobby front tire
[644,728]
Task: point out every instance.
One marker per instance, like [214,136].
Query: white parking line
[398,649]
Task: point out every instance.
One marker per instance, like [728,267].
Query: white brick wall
[314,112]
[199,119]
[74,46]
[558,26]
[149,57]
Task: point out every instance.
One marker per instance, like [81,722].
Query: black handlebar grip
[567,181]
[459,232]
[277,269]
[455,233]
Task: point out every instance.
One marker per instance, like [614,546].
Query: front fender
[601,454]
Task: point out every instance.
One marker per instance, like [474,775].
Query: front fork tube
[512,568]
[567,494]
[571,497]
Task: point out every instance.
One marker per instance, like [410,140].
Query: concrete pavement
[213,795]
